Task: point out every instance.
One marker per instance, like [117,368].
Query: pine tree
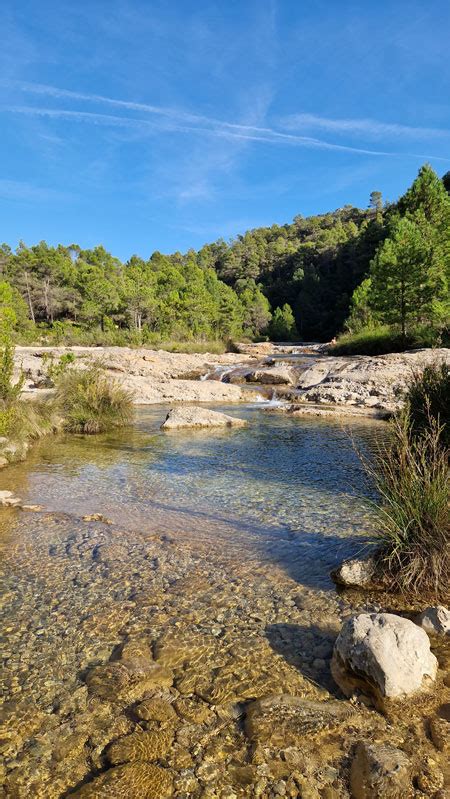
[282,326]
[400,289]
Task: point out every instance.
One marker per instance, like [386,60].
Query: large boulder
[383,656]
[277,376]
[355,573]
[435,620]
[191,416]
[380,771]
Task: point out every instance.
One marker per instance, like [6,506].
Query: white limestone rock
[192,416]
[383,656]
[435,620]
[355,573]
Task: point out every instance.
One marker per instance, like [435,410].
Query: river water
[212,560]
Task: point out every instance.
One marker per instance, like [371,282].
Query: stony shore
[370,385]
[154,376]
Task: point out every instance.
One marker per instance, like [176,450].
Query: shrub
[92,403]
[54,370]
[382,339]
[9,391]
[32,419]
[428,395]
[411,475]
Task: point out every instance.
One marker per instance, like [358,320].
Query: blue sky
[148,125]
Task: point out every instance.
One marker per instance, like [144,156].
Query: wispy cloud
[183,121]
[364,127]
[224,130]
[23,191]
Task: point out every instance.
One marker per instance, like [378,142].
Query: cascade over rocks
[383,656]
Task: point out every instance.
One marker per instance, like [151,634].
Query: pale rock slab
[355,573]
[191,416]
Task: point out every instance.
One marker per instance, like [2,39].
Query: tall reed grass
[90,402]
[410,474]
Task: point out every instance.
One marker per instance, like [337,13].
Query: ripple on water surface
[279,482]
[155,637]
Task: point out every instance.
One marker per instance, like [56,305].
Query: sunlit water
[278,480]
[215,567]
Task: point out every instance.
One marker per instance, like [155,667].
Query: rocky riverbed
[302,376]
[138,665]
[172,633]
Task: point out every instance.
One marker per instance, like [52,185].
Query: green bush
[382,339]
[90,402]
[54,370]
[411,476]
[429,396]
[9,391]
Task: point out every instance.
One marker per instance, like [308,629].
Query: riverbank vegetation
[411,476]
[90,402]
[377,275]
[85,401]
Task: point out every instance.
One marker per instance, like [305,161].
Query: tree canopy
[388,263]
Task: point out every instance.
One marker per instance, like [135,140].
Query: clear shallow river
[215,574]
[280,480]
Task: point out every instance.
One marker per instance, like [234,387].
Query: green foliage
[361,314]
[377,339]
[9,390]
[317,265]
[89,402]
[282,326]
[411,475]
[53,369]
[428,397]
[410,270]
[398,277]
[446,181]
[13,311]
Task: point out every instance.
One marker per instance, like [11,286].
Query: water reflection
[290,488]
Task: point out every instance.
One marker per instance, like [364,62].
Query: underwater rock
[191,416]
[155,709]
[140,746]
[435,620]
[380,771]
[283,720]
[96,517]
[106,681]
[8,499]
[355,573]
[131,781]
[440,729]
[137,657]
[383,656]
